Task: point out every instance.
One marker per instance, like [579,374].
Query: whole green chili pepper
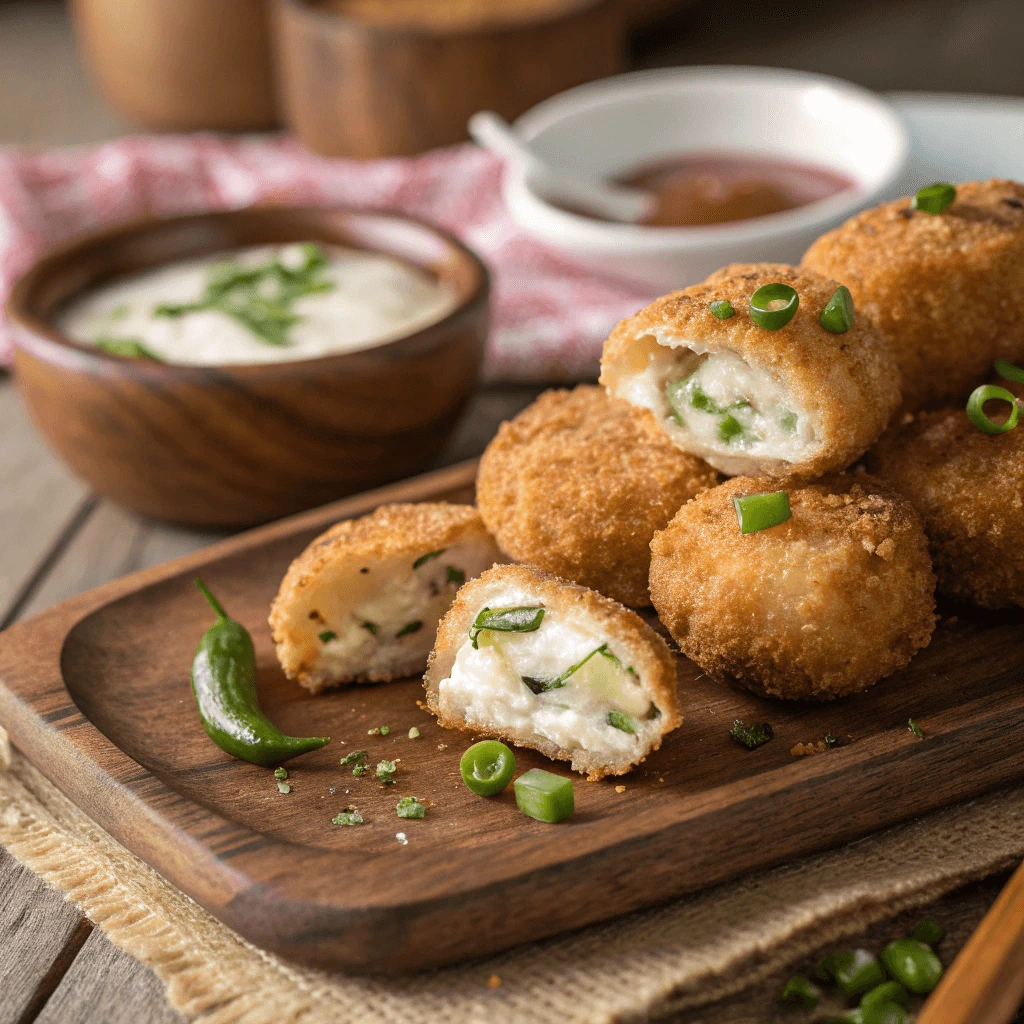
[224,685]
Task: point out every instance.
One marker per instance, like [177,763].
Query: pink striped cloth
[549,317]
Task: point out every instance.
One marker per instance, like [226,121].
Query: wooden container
[237,445]
[181,64]
[374,78]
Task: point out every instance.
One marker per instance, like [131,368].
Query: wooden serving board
[96,693]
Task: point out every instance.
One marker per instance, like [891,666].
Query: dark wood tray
[96,693]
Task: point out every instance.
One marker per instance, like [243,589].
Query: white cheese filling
[494,686]
[715,405]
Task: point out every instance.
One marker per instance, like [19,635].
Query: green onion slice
[722,309]
[487,767]
[933,198]
[976,409]
[1008,371]
[506,620]
[761,511]
[764,310]
[837,316]
[427,557]
[538,685]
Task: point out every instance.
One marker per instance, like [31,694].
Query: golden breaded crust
[850,379]
[969,488]
[946,289]
[651,657]
[825,604]
[387,531]
[578,483]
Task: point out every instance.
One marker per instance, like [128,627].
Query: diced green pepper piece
[544,795]
[761,511]
[913,964]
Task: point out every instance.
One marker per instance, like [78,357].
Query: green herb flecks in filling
[124,347]
[455,575]
[423,559]
[617,720]
[506,620]
[409,628]
[688,392]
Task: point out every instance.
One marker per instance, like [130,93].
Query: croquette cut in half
[362,602]
[824,604]
[578,483]
[946,289]
[969,488]
[794,401]
[548,664]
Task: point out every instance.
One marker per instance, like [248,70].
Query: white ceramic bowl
[619,124]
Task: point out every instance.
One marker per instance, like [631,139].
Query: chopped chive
[370,627]
[722,308]
[800,991]
[352,817]
[617,720]
[455,575]
[788,422]
[764,308]
[386,772]
[280,773]
[356,757]
[427,557]
[410,807]
[933,198]
[124,347]
[544,795]
[915,728]
[283,787]
[538,685]
[753,736]
[837,316]
[414,733]
[913,964]
[831,740]
[1008,371]
[409,628]
[756,512]
[976,409]
[506,620]
[928,932]
[328,635]
[729,427]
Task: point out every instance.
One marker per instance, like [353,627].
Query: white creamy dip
[358,299]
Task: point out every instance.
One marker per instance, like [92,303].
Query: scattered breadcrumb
[620,789]
[806,749]
[414,733]
[494,981]
[442,746]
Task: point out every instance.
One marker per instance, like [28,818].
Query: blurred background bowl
[604,129]
[239,445]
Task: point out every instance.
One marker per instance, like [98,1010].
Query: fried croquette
[798,400]
[969,488]
[550,665]
[578,483]
[946,289]
[362,602]
[825,604]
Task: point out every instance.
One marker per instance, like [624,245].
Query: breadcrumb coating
[969,488]
[578,483]
[946,289]
[848,382]
[825,604]
[650,656]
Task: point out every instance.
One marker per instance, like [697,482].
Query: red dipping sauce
[718,188]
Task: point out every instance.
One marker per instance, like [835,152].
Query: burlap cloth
[635,968]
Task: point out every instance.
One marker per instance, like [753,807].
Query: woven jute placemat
[635,968]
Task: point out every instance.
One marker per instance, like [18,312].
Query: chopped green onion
[410,807]
[427,557]
[800,991]
[283,787]
[933,198]
[456,575]
[831,740]
[538,685]
[328,635]
[414,733]
[764,310]
[506,620]
[729,427]
[124,347]
[1008,371]
[753,736]
[356,757]
[976,409]
[928,932]
[386,772]
[487,767]
[788,422]
[761,511]
[722,309]
[280,773]
[352,817]
[915,728]
[913,964]
[544,795]
[887,992]
[370,627]
[409,629]
[617,720]
[837,316]
[859,975]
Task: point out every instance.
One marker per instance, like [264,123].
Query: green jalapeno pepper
[224,685]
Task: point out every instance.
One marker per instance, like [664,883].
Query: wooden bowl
[179,65]
[372,78]
[238,445]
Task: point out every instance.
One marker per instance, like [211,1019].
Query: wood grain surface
[97,695]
